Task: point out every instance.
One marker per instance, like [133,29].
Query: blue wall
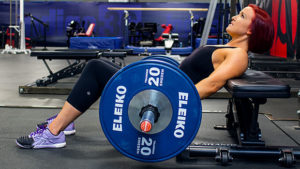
[108,23]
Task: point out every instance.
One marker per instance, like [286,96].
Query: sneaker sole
[59,145]
[22,146]
[70,132]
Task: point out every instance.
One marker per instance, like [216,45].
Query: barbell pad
[150,82]
[163,58]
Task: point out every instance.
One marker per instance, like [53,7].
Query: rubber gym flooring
[89,149]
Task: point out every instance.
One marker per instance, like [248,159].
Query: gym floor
[89,148]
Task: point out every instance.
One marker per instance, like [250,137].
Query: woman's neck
[240,42]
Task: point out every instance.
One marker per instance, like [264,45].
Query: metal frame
[22,49]
[208,22]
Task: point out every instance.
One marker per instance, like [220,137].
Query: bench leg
[242,116]
[68,71]
[230,122]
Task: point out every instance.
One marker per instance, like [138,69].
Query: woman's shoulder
[224,47]
[229,50]
[237,52]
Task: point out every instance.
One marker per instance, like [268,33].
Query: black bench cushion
[72,54]
[256,84]
[81,53]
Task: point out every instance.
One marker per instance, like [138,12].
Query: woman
[209,67]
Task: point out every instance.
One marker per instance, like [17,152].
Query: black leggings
[91,83]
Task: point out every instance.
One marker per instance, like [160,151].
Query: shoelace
[50,119]
[45,124]
[38,131]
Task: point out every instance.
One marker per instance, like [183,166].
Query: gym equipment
[89,31]
[160,50]
[146,33]
[248,92]
[20,29]
[13,37]
[167,30]
[45,26]
[198,27]
[208,22]
[132,34]
[257,86]
[156,9]
[169,40]
[80,56]
[275,66]
[150,110]
[95,43]
[162,58]
[224,11]
[73,29]
[157,50]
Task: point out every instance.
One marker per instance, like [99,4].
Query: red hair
[262,31]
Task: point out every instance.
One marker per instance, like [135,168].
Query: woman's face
[240,24]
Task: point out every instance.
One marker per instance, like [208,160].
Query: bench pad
[72,54]
[256,84]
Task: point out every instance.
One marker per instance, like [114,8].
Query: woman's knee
[100,66]
[93,63]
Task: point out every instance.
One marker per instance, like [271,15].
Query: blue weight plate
[162,58]
[172,83]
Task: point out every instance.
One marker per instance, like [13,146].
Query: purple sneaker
[69,130]
[42,138]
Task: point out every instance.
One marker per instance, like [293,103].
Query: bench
[81,56]
[275,66]
[248,92]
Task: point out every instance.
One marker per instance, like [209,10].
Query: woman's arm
[234,65]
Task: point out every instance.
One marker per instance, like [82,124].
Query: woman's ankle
[53,130]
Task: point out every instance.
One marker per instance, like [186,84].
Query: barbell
[150,110]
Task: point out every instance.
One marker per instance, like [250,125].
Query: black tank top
[198,65]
